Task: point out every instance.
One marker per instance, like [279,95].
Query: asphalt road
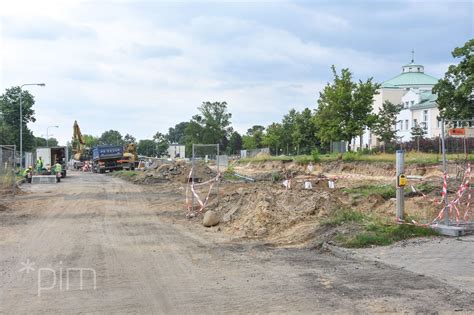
[133,261]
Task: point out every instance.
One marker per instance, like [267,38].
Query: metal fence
[7,169]
[254,152]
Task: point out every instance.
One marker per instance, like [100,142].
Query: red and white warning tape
[190,187]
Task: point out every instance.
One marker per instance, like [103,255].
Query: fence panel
[7,170]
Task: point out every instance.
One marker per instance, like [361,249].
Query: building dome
[412,76]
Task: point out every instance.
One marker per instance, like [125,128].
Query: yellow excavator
[129,160]
[79,151]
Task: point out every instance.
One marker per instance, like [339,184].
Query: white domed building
[411,88]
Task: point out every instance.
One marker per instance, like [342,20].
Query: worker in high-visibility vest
[27,172]
[39,164]
[57,170]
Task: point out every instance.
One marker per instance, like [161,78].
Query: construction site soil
[265,210]
[149,257]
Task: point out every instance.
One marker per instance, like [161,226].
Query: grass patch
[229,173]
[386,191]
[125,173]
[380,234]
[343,216]
[363,230]
[410,158]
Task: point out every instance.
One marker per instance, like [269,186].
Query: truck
[52,154]
[106,158]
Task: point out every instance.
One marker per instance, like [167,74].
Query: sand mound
[268,210]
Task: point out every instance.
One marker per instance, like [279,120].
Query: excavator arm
[77,141]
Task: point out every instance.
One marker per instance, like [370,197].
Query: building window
[425,119]
[418,69]
[406,124]
[415,122]
[409,69]
[412,103]
[405,105]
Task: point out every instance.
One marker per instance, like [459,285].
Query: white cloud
[113,67]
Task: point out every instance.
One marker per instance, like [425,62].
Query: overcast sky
[143,66]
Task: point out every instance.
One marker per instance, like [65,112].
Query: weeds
[345,215]
[380,234]
[124,173]
[369,230]
[386,191]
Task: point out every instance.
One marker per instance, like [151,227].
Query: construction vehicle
[129,159]
[80,152]
[106,158]
[50,155]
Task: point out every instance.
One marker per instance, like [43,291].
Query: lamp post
[21,121]
[47,134]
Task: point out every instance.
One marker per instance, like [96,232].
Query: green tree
[272,137]
[112,137]
[304,131]
[455,95]
[129,139]
[235,143]
[146,147]
[289,125]
[90,141]
[385,121]
[161,143]
[10,117]
[417,133]
[216,121]
[212,126]
[344,108]
[248,142]
[177,134]
[257,133]
[41,142]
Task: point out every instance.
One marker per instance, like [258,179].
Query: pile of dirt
[170,171]
[264,210]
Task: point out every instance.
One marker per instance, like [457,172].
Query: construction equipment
[79,150]
[129,159]
[106,158]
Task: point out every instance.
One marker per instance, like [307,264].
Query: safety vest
[39,163]
[58,168]
[25,172]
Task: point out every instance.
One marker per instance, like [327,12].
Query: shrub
[315,155]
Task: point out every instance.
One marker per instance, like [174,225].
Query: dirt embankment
[267,211]
[265,170]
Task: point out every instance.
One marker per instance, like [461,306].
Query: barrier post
[445,170]
[400,161]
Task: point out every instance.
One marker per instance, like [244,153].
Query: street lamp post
[47,134]
[21,121]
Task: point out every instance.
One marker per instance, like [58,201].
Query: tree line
[343,112]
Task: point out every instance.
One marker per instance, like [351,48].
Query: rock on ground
[210,219]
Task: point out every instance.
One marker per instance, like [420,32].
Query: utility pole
[401,181]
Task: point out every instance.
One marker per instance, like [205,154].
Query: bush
[315,155]
[350,156]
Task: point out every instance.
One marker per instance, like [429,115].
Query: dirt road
[114,233]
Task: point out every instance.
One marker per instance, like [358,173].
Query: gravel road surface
[133,261]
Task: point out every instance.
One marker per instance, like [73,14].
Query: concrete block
[43,179]
[449,230]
